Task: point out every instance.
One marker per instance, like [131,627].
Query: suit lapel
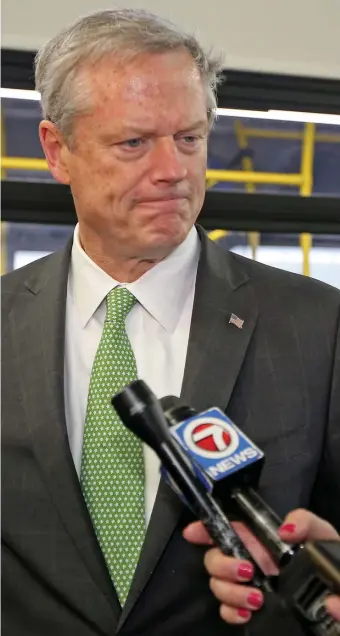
[216,350]
[217,346]
[164,519]
[38,336]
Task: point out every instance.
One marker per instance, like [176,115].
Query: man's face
[137,161]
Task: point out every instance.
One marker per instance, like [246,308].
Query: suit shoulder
[12,281]
[17,277]
[266,279]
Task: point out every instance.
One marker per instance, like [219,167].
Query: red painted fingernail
[288,527]
[255,600]
[245,571]
[244,613]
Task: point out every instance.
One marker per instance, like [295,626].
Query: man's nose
[167,162]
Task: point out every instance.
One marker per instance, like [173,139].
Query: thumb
[302,525]
[197,533]
[333,606]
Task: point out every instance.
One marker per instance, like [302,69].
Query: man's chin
[162,241]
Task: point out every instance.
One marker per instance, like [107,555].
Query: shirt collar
[162,290]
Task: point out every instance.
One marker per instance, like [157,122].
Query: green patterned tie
[112,468]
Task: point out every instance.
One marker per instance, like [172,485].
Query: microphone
[141,413]
[233,464]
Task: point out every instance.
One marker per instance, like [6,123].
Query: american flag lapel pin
[235,320]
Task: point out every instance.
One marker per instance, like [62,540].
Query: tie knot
[119,302]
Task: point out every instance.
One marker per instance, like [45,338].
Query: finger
[333,606]
[235,595]
[234,616]
[259,553]
[197,533]
[224,567]
[302,525]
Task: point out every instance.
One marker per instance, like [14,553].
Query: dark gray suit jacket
[278,378]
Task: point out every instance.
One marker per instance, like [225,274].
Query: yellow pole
[241,176]
[3,228]
[306,244]
[289,135]
[3,144]
[247,165]
[247,162]
[306,188]
[215,235]
[3,260]
[23,163]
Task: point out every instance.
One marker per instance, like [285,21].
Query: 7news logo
[216,444]
[210,437]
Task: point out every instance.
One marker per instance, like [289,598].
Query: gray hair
[124,32]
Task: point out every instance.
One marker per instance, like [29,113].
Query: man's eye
[190,139]
[132,143]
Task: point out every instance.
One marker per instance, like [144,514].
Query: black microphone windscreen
[175,410]
[169,401]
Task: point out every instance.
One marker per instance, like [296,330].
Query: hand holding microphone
[298,527]
[234,463]
[228,574]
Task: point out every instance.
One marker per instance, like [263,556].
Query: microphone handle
[228,541]
[264,522]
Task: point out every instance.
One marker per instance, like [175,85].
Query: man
[92,542]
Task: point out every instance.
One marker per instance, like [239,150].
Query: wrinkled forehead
[148,86]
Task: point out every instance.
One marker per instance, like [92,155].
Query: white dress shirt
[157,326]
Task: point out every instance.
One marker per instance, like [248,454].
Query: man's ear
[55,150]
